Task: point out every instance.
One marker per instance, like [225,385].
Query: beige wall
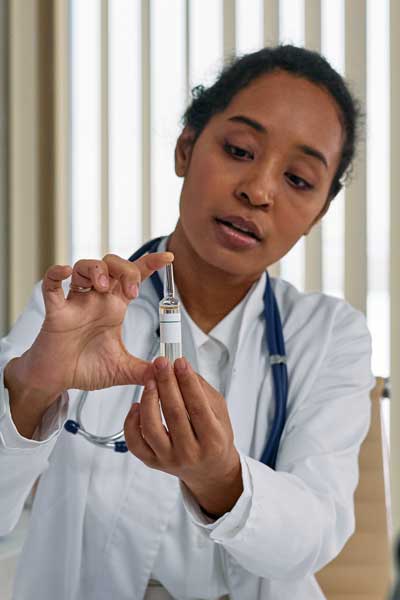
[4,258]
[31,147]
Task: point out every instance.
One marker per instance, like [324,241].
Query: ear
[183,151]
[319,216]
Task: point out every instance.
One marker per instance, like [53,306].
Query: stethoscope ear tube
[118,446]
[277,352]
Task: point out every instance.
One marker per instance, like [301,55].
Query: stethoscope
[276,350]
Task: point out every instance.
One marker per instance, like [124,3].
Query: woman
[262,154]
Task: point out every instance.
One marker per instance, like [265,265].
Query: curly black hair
[239,72]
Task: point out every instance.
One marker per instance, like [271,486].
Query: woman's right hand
[80,343]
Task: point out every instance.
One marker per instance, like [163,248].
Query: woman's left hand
[198,445]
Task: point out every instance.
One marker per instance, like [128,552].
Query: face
[264,164]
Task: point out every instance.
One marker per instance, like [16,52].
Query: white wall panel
[378,180]
[86,132]
[249,25]
[205,23]
[125,127]
[168,98]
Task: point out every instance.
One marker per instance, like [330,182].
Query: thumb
[136,370]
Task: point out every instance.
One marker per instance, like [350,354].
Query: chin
[229,263]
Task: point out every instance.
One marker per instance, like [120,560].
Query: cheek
[297,211]
[207,172]
[205,187]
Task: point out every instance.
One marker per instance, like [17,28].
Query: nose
[258,188]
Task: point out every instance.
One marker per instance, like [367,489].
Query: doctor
[190,512]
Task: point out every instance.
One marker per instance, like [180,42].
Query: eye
[236,152]
[299,183]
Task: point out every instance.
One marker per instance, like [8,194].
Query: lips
[241,224]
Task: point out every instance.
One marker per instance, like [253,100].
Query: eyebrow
[309,150]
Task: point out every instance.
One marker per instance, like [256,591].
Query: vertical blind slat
[312,24]
[188,66]
[45,135]
[4,153]
[313,241]
[24,113]
[62,122]
[146,120]
[271,22]
[356,193]
[395,260]
[229,33]
[271,38]
[104,121]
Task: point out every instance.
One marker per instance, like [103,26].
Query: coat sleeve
[298,518]
[23,460]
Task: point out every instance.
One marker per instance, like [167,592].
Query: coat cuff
[50,426]
[229,524]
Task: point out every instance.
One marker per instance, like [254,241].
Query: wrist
[28,403]
[22,386]
[219,496]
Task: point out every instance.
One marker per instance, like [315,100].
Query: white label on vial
[169,317]
[170,333]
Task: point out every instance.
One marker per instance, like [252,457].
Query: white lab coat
[99,517]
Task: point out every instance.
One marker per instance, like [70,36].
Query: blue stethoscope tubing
[277,354]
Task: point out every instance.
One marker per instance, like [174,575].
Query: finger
[172,404]
[154,261]
[134,438]
[124,272]
[204,383]
[146,264]
[131,274]
[91,273]
[218,404]
[52,284]
[153,429]
[195,398]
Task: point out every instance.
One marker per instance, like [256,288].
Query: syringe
[170,319]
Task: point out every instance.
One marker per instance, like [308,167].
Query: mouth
[246,229]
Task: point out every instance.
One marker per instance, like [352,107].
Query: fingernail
[161,363]
[151,385]
[180,365]
[103,280]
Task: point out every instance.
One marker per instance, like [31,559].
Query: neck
[207,292]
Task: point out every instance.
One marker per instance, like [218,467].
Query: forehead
[292,106]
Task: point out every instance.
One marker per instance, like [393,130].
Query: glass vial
[170,320]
